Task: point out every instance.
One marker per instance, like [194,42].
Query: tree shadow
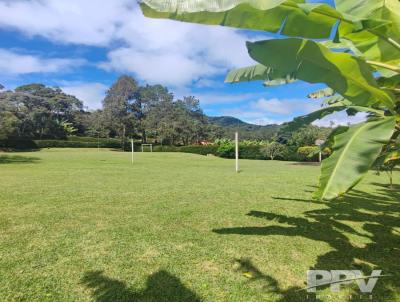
[377,218]
[253,274]
[160,286]
[17,159]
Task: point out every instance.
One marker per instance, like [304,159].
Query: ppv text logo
[335,278]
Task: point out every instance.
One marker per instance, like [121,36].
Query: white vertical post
[320,156]
[237,151]
[132,147]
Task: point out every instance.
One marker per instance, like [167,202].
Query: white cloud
[163,51]
[92,94]
[272,111]
[175,53]
[285,106]
[173,69]
[69,21]
[14,63]
[226,98]
[340,118]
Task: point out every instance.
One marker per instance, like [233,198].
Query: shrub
[226,150]
[311,153]
[274,150]
[77,144]
[198,149]
[165,148]
[18,144]
[308,153]
[250,152]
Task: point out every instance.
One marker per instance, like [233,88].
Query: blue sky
[83,47]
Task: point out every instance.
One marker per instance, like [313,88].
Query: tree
[148,99]
[361,64]
[40,111]
[273,150]
[118,111]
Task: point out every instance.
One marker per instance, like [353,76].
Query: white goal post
[147,145]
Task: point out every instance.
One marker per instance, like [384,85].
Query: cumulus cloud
[92,94]
[162,51]
[175,53]
[15,63]
[285,106]
[68,21]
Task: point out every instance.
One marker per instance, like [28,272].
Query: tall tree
[148,98]
[117,106]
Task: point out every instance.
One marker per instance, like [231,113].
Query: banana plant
[352,48]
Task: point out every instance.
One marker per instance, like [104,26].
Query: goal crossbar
[147,145]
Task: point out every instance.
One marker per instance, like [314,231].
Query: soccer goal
[148,146]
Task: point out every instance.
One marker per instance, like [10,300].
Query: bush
[308,153]
[226,151]
[18,144]
[245,151]
[250,152]
[274,150]
[165,148]
[77,144]
[198,149]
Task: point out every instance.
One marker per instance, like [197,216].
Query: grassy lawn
[83,225]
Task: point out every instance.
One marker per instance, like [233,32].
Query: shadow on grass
[17,159]
[160,286]
[378,215]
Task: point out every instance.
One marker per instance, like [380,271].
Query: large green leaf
[354,152]
[290,17]
[382,42]
[270,76]
[378,9]
[391,83]
[311,62]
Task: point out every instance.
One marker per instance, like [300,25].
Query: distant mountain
[230,125]
[226,121]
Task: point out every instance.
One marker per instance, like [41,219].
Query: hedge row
[225,150]
[75,144]
[27,144]
[18,144]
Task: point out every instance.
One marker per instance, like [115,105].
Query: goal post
[237,151]
[147,145]
[132,148]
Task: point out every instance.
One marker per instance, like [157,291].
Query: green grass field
[84,225]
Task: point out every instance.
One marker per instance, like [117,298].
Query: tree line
[129,110]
